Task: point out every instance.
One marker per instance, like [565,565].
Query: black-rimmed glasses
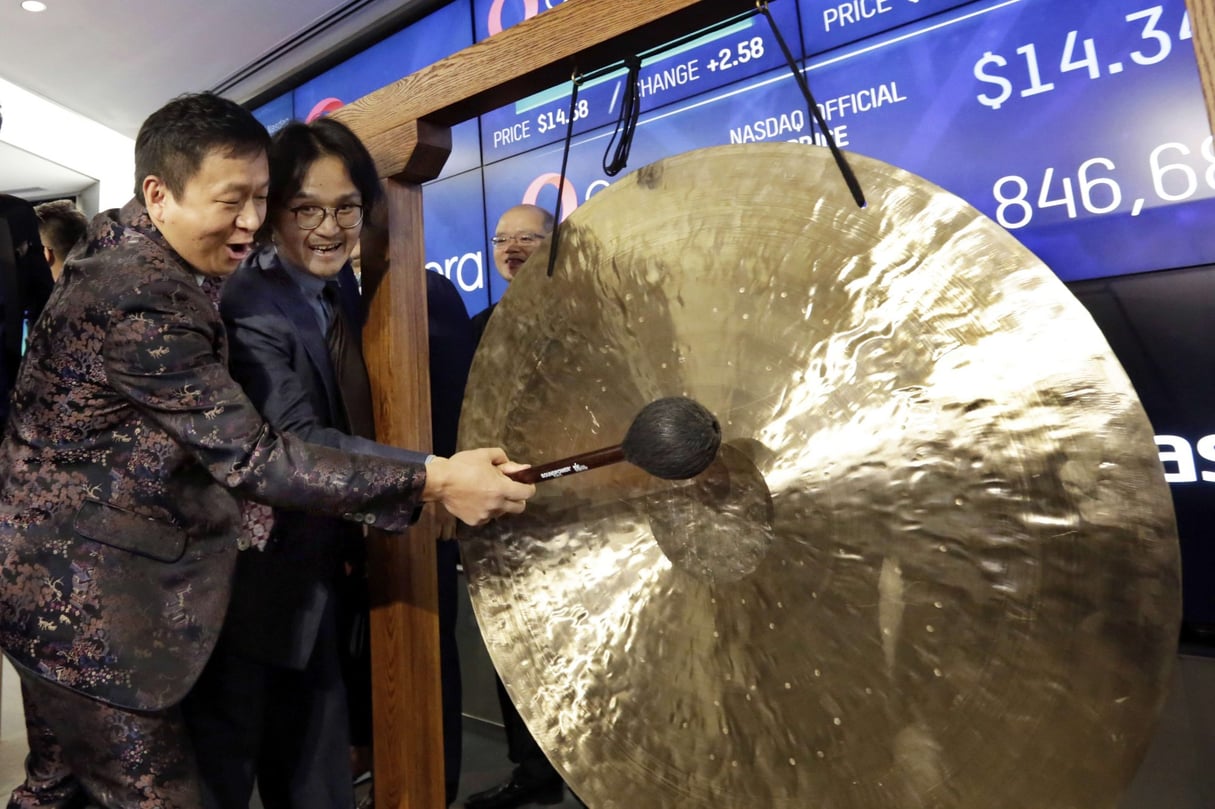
[310,217]
[526,239]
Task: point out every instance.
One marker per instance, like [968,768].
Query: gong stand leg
[406,691]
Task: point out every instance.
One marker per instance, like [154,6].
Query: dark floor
[485,763]
[1176,773]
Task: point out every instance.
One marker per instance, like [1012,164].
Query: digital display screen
[276,114]
[495,16]
[426,41]
[828,24]
[1087,153]
[455,233]
[1078,126]
[745,48]
[1157,325]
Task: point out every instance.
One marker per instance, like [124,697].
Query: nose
[251,215]
[328,225]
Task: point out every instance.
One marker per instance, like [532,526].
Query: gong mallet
[673,438]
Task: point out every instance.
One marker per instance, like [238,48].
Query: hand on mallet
[474,487]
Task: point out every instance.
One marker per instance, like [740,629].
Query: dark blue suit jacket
[278,355]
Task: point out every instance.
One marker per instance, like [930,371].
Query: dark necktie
[354,388]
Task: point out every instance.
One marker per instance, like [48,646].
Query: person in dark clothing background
[62,226]
[519,233]
[25,285]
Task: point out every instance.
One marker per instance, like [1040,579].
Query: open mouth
[237,251]
[325,249]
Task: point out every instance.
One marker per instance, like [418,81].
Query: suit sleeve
[161,353]
[261,361]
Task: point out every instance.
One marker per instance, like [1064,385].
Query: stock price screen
[1079,127]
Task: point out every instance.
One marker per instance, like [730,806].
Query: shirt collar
[309,284]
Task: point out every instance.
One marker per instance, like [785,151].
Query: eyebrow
[355,197]
[241,191]
[229,187]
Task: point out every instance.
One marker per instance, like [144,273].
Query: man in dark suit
[519,233]
[272,705]
[127,445]
[451,351]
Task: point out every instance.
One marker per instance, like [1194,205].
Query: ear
[155,194]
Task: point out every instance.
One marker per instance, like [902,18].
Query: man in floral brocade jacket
[127,447]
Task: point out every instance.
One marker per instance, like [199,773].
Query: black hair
[173,142]
[62,225]
[297,146]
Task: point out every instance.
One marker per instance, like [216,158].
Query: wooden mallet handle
[571,465]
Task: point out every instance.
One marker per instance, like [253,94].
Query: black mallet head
[673,438]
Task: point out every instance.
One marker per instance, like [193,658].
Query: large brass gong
[935,564]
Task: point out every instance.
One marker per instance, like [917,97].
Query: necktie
[350,371]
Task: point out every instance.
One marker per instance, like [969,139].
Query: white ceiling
[31,177]
[116,61]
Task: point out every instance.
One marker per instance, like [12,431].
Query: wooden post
[406,691]
[1202,22]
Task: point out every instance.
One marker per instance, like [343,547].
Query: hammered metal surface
[935,564]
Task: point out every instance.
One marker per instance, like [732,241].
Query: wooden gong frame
[407,127]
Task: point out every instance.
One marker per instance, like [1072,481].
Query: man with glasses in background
[520,232]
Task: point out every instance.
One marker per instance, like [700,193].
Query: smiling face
[212,221]
[324,250]
[520,232]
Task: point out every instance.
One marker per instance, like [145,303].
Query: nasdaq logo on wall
[1180,458]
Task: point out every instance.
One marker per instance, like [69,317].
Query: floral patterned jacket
[126,446]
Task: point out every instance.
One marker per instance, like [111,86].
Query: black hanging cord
[840,161]
[626,124]
[555,239]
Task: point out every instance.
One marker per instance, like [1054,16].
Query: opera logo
[569,195]
[530,9]
[323,108]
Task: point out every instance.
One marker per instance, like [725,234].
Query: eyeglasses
[310,217]
[525,239]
